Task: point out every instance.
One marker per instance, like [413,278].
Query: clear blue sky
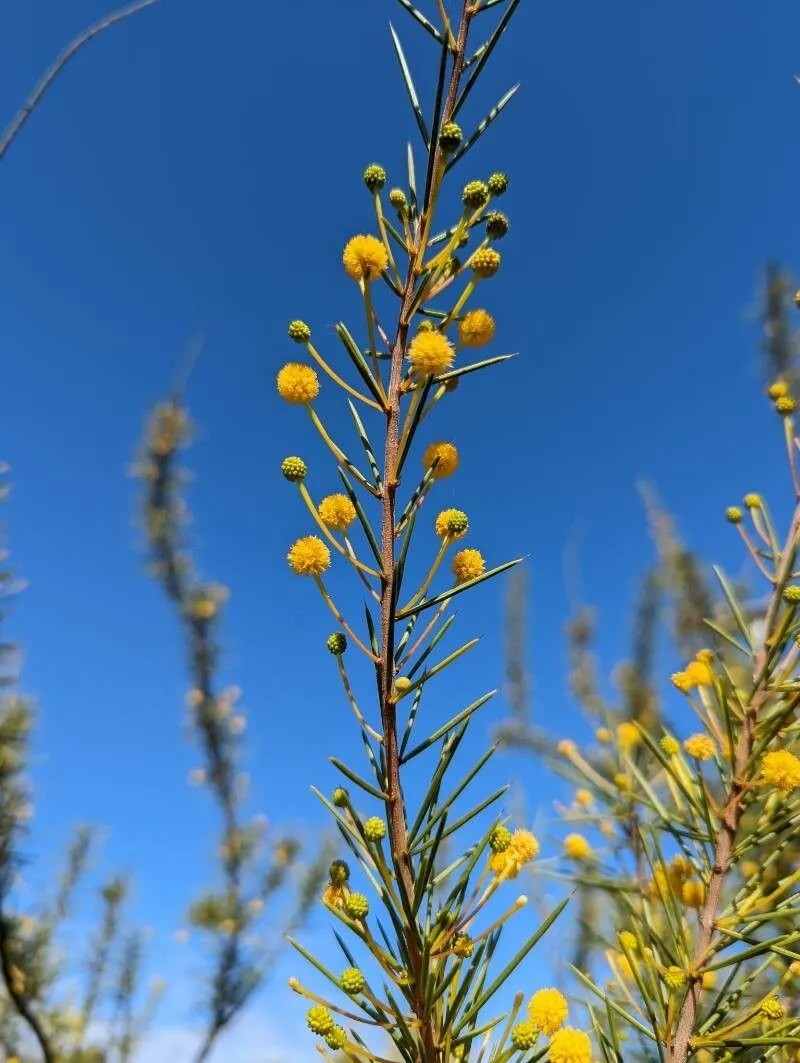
[200,167]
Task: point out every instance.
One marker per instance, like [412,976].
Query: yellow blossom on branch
[570,1046]
[298,383]
[337,512]
[309,556]
[628,735]
[700,746]
[448,459]
[522,848]
[476,329]
[452,523]
[577,847]
[431,353]
[365,258]
[781,769]
[468,564]
[547,1010]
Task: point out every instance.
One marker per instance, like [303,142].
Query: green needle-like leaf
[409,84]
[459,589]
[483,126]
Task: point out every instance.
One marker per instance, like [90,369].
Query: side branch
[63,59]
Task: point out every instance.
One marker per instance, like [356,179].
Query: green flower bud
[352,981]
[496,225]
[336,643]
[374,829]
[486,262]
[500,839]
[450,136]
[475,195]
[319,1019]
[733,515]
[524,1035]
[426,326]
[498,184]
[336,1038]
[294,469]
[341,798]
[299,331]
[791,594]
[339,872]
[356,906]
[374,177]
[397,198]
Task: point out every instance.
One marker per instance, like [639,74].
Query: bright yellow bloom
[628,940]
[778,390]
[521,850]
[583,798]
[547,1010]
[337,512]
[623,782]
[576,847]
[476,328]
[682,681]
[448,459]
[468,564]
[709,979]
[628,735]
[431,353]
[700,746]
[452,523]
[570,1046]
[309,556]
[364,258]
[298,383]
[781,769]
[679,871]
[670,746]
[771,1008]
[624,966]
[693,894]
[699,673]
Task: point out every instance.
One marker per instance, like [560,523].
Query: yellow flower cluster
[309,556]
[337,512]
[476,329]
[448,459]
[298,383]
[700,746]
[781,769]
[570,1046]
[522,848]
[628,734]
[431,353]
[577,847]
[468,564]
[547,1010]
[697,673]
[365,258]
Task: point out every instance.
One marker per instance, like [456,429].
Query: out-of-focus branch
[63,59]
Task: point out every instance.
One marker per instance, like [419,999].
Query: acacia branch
[18,999]
[62,60]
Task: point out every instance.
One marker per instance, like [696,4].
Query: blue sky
[199,167]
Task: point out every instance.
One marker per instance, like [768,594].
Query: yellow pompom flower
[771,1008]
[624,966]
[337,512]
[700,746]
[670,746]
[693,894]
[452,523]
[476,328]
[699,673]
[570,1046]
[522,848]
[682,681]
[709,979]
[576,847]
[674,977]
[431,353]
[309,556]
[468,564]
[364,258]
[547,1010]
[583,798]
[628,735]
[628,940]
[298,383]
[781,769]
[448,459]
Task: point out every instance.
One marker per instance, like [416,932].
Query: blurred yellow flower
[476,328]
[700,746]
[693,894]
[583,798]
[628,735]
[522,848]
[452,523]
[448,459]
[577,847]
[699,673]
[781,769]
[570,1046]
[364,258]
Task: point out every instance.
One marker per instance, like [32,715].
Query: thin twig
[63,59]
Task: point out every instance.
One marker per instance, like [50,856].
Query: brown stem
[396,811]
[52,73]
[734,808]
[18,999]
